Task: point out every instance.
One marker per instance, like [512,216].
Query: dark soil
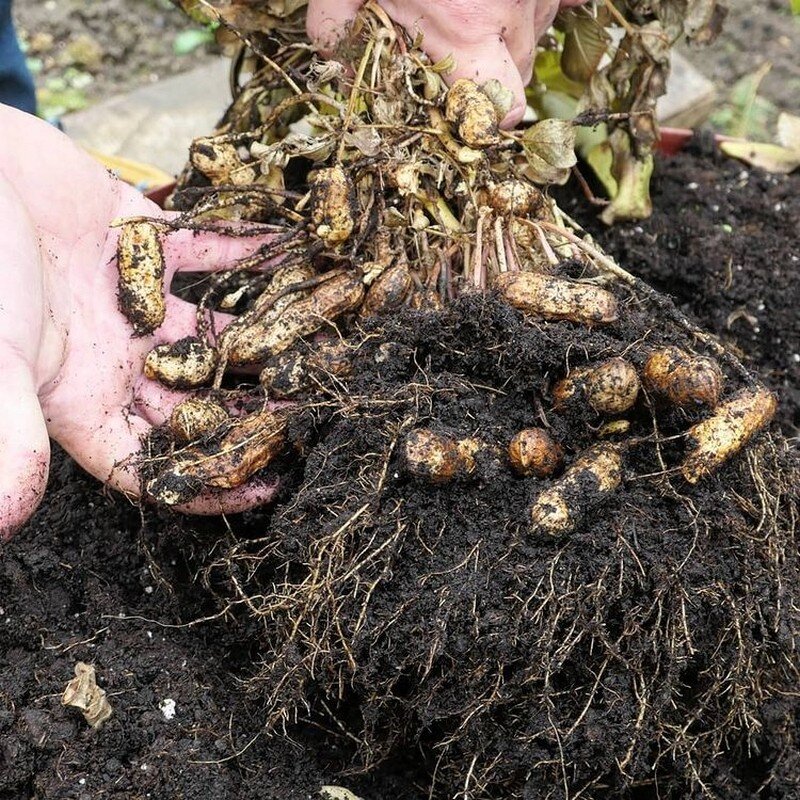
[459,587]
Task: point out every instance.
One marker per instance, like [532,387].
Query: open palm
[70,367]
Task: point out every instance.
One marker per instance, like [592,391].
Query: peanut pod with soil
[535,530]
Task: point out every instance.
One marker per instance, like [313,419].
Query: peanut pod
[610,387]
[437,458]
[388,291]
[532,451]
[194,418]
[557,298]
[333,205]
[140,287]
[185,364]
[727,431]
[588,481]
[683,379]
[248,445]
[473,114]
[331,299]
[244,342]
[515,198]
[292,374]
[219,160]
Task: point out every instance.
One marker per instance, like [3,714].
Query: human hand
[69,366]
[487,38]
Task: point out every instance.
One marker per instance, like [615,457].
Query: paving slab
[156,123]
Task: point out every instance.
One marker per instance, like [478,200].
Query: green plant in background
[610,66]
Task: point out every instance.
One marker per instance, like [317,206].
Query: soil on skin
[88,580]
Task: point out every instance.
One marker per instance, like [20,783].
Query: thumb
[482,61]
[327,20]
[24,449]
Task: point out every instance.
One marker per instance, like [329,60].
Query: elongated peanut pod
[610,387]
[682,378]
[333,205]
[140,288]
[437,458]
[727,431]
[388,291]
[291,374]
[185,364]
[244,340]
[248,445]
[557,298]
[194,418]
[473,114]
[586,483]
[532,451]
[327,302]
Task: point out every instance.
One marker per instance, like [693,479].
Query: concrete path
[155,124]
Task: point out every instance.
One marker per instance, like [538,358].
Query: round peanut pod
[438,458]
[194,418]
[612,387]
[185,364]
[473,114]
[684,379]
[533,451]
[515,198]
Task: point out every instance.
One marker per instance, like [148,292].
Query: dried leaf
[337,793]
[83,692]
[502,97]
[789,131]
[585,44]
[550,149]
[766,156]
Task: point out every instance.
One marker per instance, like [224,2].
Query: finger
[115,456]
[485,60]
[181,320]
[207,251]
[232,501]
[24,449]
[327,20]
[154,402]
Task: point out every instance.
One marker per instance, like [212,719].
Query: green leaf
[549,75]
[794,5]
[188,41]
[585,44]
